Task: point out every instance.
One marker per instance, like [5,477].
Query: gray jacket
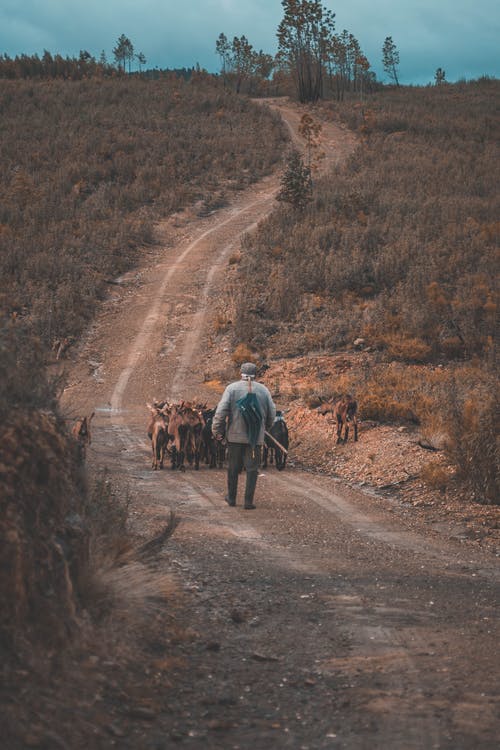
[228,421]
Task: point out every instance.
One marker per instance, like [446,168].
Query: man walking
[244,447]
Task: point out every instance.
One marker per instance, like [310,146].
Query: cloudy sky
[458,35]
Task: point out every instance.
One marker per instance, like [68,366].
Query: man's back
[227,408]
[229,421]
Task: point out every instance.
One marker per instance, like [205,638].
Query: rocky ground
[390,460]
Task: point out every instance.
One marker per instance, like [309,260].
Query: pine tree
[439,77]
[390,59]
[123,51]
[303,38]
[296,183]
[141,59]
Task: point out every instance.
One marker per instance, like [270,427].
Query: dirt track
[321,621]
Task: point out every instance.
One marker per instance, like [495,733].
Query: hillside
[334,611]
[397,251]
[89,167]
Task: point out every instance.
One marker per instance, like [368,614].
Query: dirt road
[319,620]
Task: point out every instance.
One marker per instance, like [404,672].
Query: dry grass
[435,476]
[243,353]
[399,247]
[457,408]
[125,590]
[88,167]
[43,545]
[118,581]
[401,242]
[84,606]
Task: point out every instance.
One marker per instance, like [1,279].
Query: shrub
[378,404]
[242,354]
[397,224]
[296,183]
[474,437]
[406,349]
[88,167]
[435,476]
[220,322]
[234,258]
[43,544]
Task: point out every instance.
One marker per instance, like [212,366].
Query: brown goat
[344,411]
[185,428]
[60,346]
[81,432]
[193,417]
[158,432]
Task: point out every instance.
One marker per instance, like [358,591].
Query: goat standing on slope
[344,411]
[81,432]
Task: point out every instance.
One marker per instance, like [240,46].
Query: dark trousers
[242,455]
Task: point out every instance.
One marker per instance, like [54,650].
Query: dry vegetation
[42,550]
[88,166]
[83,604]
[398,248]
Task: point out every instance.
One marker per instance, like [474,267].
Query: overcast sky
[458,35]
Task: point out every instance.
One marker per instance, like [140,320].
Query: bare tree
[263,64]
[310,131]
[348,67]
[362,68]
[240,63]
[338,63]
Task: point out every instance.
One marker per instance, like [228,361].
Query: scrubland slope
[397,249]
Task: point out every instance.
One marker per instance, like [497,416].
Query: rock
[220,725]
[237,616]
[52,740]
[359,343]
[141,712]
[427,445]
[115,730]
[213,646]
[264,657]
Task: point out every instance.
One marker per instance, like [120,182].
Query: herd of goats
[184,432]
